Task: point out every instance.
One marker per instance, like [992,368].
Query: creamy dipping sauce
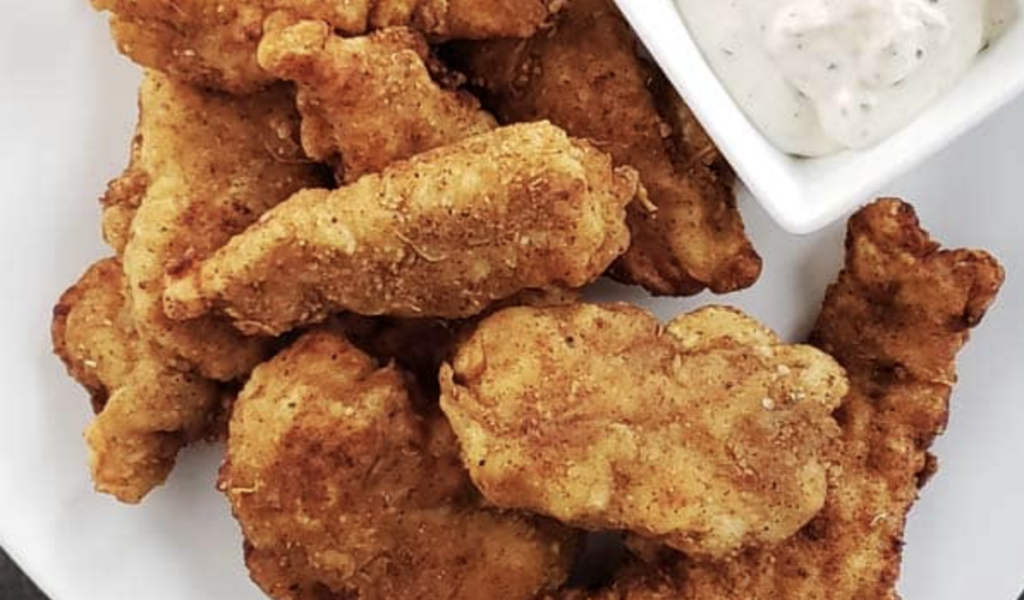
[820,76]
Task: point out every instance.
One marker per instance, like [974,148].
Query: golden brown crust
[92,332]
[709,435]
[213,44]
[903,304]
[421,346]
[213,165]
[122,199]
[418,346]
[480,19]
[343,490]
[147,411]
[446,234]
[208,44]
[585,75]
[897,317]
[370,101]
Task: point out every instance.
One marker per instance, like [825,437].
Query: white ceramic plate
[67,109]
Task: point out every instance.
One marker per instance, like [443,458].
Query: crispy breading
[418,346]
[468,19]
[586,76]
[209,43]
[212,43]
[709,434]
[343,490]
[147,411]
[370,101]
[92,332]
[896,319]
[446,234]
[122,200]
[213,164]
[421,346]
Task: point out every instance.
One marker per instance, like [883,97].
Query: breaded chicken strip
[445,234]
[370,101]
[212,43]
[212,164]
[709,435]
[586,76]
[896,319]
[344,491]
[147,411]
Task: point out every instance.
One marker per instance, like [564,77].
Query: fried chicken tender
[896,319]
[344,491]
[211,165]
[445,234]
[212,43]
[147,411]
[370,101]
[585,75]
[709,435]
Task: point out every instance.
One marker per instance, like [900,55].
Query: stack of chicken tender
[357,232]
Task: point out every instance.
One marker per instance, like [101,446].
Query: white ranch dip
[819,76]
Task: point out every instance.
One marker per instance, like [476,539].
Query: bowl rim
[805,195]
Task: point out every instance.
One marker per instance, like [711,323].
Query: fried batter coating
[418,346]
[421,346]
[213,164]
[586,76]
[445,234]
[343,491]
[212,43]
[147,411]
[209,43]
[122,199]
[709,435]
[896,319]
[368,102]
[468,19]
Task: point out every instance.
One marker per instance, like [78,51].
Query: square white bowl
[804,195]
